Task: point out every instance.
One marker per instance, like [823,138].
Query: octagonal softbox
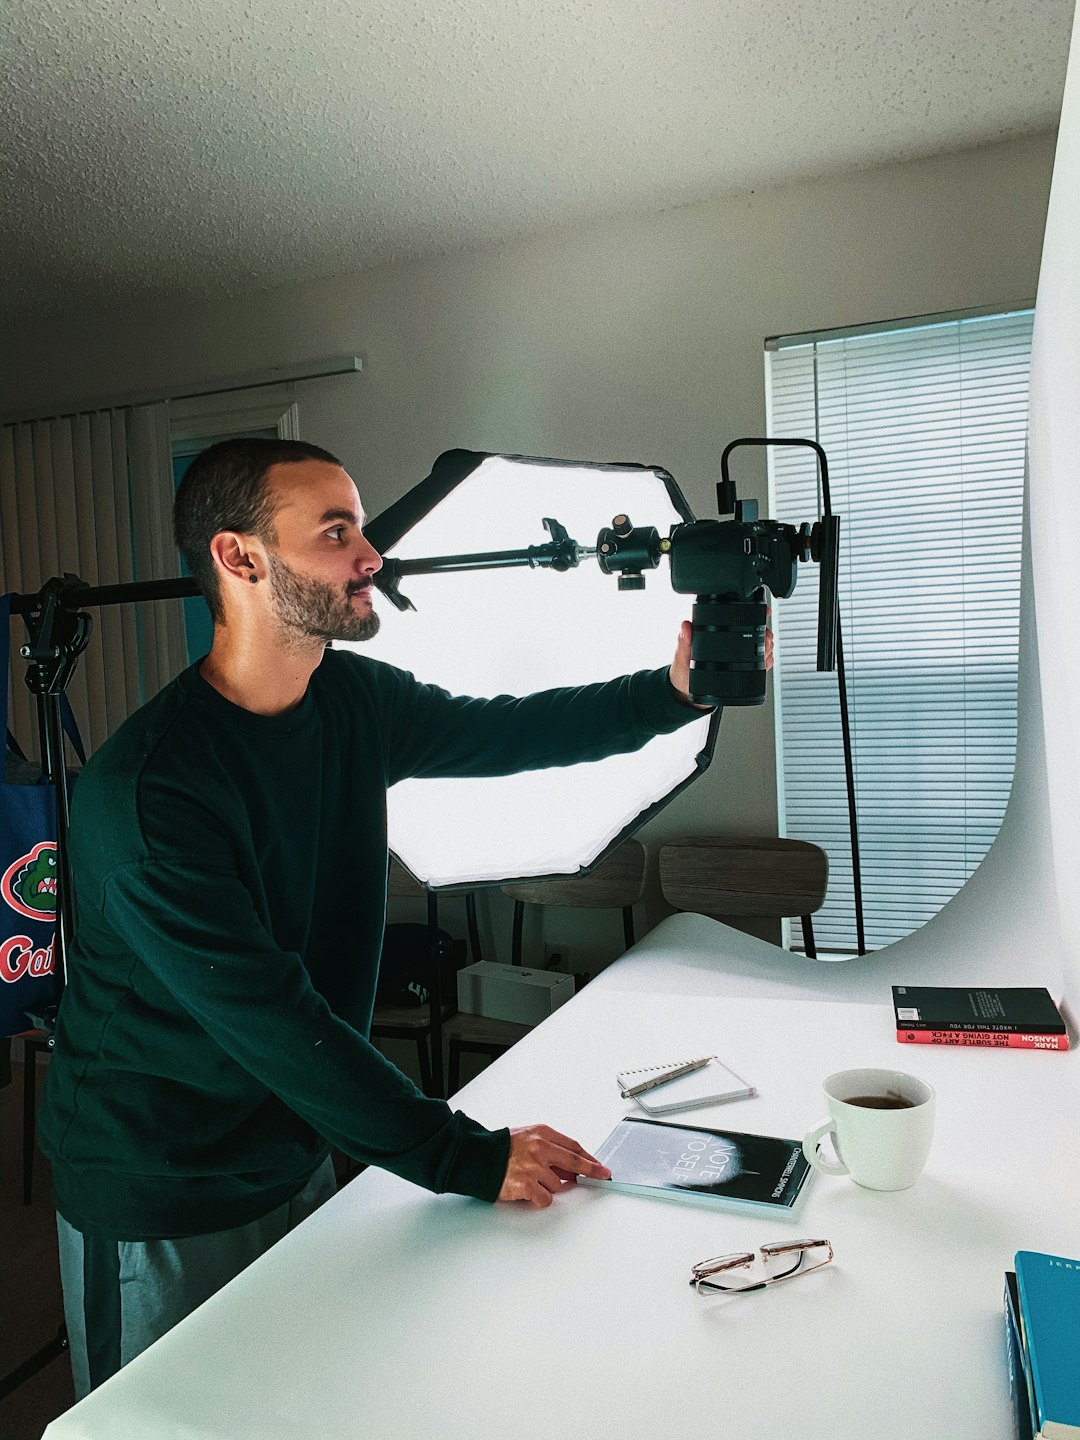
[517,630]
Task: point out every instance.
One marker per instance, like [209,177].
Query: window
[923,423]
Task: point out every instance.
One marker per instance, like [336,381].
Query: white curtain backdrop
[1054,462]
[91,495]
[1017,920]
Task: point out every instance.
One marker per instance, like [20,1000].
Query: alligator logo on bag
[29,886]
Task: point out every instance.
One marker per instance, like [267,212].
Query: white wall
[637,340]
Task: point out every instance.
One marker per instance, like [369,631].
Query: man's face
[321,566]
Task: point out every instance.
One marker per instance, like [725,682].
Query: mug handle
[813,1154]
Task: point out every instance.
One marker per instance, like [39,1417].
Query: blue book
[1049,1290]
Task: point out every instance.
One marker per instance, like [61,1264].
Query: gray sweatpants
[122,1295]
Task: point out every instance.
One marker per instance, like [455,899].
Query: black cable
[841,674]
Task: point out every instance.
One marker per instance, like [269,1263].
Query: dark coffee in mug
[882,1123]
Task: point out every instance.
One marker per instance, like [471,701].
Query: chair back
[401,885]
[617,883]
[766,878]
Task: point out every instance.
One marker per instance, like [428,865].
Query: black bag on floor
[406,964]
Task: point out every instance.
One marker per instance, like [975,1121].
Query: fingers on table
[542,1162]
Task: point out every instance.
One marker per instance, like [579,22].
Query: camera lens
[728,652]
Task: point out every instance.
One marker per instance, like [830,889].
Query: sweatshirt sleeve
[257,1003]
[435,734]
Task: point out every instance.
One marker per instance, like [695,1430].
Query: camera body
[734,558]
[728,565]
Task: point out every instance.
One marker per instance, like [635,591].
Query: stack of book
[1042,1343]
[1017,1018]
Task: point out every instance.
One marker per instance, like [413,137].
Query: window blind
[924,426]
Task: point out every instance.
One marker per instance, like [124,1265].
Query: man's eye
[337,532]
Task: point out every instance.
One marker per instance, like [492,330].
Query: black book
[692,1162]
[1026,1010]
[1019,1379]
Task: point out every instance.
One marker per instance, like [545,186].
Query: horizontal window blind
[924,426]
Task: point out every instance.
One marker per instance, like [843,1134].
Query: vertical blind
[91,494]
[924,426]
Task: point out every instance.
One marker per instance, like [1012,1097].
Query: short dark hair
[225,489]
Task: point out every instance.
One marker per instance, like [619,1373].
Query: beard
[312,610]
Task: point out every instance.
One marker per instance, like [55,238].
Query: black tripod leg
[36,1362]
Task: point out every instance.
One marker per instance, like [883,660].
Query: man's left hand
[679,674]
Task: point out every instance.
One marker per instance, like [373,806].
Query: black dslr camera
[729,565]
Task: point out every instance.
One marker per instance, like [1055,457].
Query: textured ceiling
[158,151]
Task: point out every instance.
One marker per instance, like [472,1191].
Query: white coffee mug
[882,1123]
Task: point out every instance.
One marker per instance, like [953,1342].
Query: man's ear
[238,556]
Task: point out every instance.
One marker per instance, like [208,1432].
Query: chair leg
[515,939]
[435,999]
[474,927]
[454,1083]
[808,938]
[14,1378]
[425,1067]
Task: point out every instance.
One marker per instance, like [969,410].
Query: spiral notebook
[682,1085]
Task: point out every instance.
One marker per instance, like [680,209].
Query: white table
[397,1314]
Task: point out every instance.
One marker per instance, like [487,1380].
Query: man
[228,846]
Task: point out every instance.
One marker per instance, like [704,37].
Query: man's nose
[369,559]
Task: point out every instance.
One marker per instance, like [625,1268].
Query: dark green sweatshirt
[230,885]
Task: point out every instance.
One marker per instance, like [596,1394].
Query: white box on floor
[511,992]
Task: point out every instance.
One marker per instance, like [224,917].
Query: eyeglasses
[754,1269]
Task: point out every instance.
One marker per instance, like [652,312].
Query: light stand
[59,631]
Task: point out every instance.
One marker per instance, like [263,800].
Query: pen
[687,1069]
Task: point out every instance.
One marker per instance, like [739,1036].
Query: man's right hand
[542,1162]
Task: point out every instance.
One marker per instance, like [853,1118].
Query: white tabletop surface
[403,1315]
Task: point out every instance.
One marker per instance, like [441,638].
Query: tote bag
[29,982]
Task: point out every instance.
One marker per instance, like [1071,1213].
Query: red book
[987,1039]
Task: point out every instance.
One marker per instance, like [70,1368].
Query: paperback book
[1018,1018]
[1048,1287]
[691,1162]
[987,1039]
